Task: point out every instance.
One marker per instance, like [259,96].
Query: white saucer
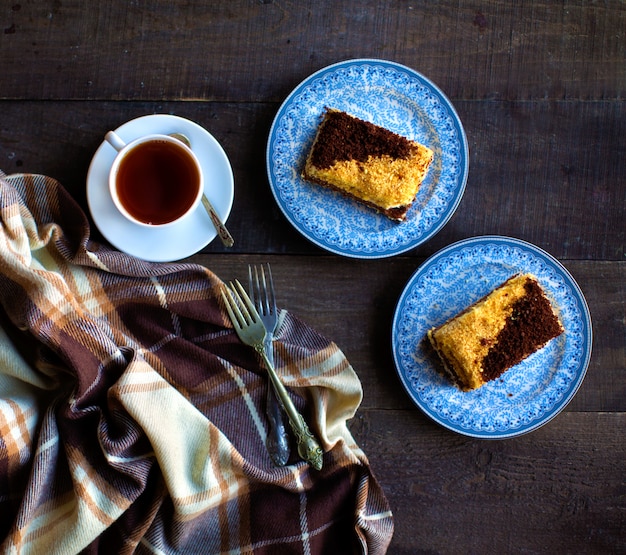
[182,239]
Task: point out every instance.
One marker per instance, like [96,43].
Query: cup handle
[114,140]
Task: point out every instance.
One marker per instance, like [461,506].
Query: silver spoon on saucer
[224,235]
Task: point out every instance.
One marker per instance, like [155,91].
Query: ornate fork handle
[308,448]
[277,438]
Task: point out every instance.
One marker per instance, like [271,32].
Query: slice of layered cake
[368,163]
[496,332]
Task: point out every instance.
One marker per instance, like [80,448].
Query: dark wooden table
[540,89]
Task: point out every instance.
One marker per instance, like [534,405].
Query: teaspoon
[225,236]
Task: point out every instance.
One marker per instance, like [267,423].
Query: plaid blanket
[131,417]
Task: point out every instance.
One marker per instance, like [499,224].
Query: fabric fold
[132,418]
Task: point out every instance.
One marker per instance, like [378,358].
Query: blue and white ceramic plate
[387,94]
[526,396]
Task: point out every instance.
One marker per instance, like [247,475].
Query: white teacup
[155,180]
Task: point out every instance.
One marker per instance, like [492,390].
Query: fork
[261,291]
[252,332]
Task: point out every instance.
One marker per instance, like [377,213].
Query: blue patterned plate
[528,395]
[386,94]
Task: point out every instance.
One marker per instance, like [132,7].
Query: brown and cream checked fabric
[131,417]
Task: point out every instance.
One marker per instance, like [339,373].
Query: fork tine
[232,306]
[271,297]
[254,286]
[239,309]
[246,304]
[228,301]
[251,284]
[263,288]
[257,285]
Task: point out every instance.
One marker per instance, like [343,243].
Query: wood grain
[551,173]
[257,51]
[551,491]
